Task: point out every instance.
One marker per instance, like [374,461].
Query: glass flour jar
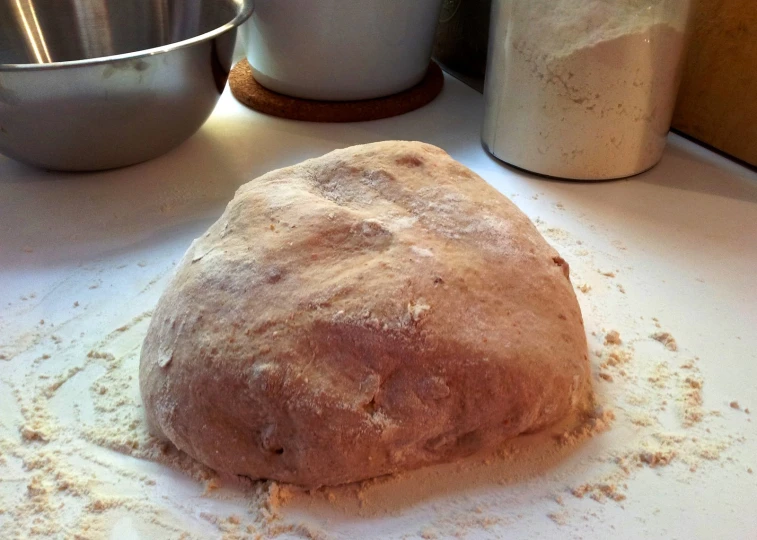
[583,89]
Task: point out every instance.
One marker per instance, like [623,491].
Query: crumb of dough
[666,339]
[692,410]
[93,354]
[580,491]
[599,492]
[693,383]
[734,405]
[613,338]
[617,357]
[747,410]
[605,376]
[595,423]
[643,420]
[608,274]
[280,494]
[657,459]
[621,288]
[211,484]
[584,288]
[561,518]
[749,470]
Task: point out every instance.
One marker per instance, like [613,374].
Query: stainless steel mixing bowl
[98,84]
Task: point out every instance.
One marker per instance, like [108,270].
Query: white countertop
[681,240]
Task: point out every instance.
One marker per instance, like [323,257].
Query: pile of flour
[583,89]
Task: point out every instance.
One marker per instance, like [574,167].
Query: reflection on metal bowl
[98,84]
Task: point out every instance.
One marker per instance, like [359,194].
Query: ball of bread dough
[373,310]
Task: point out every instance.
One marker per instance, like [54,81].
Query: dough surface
[373,310]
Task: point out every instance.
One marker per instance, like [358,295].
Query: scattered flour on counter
[646,386]
[77,460]
[62,476]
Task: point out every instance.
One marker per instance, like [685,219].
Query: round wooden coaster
[248,91]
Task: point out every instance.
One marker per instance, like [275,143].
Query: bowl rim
[244,13]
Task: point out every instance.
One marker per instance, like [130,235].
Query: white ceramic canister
[340,50]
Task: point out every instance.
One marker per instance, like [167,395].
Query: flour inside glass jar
[583,89]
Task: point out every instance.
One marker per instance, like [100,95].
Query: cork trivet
[248,91]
